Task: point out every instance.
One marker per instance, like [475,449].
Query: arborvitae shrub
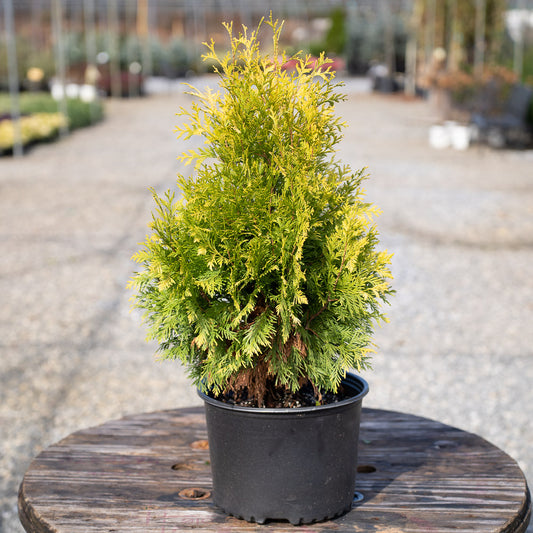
[265,273]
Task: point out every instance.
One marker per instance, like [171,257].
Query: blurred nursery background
[60,58]
[439,107]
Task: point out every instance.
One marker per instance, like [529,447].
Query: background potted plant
[264,280]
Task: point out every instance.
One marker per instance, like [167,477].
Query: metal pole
[59,56]
[430,29]
[453,46]
[196,29]
[36,25]
[390,53]
[131,58]
[13,78]
[91,72]
[90,35]
[144,36]
[412,46]
[479,51]
[518,52]
[114,52]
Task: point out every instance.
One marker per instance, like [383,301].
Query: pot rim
[350,377]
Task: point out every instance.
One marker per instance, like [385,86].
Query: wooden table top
[150,473]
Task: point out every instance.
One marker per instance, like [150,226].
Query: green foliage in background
[37,127]
[336,36]
[80,114]
[266,270]
[41,119]
[334,42]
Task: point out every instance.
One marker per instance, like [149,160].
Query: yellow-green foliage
[269,259]
[36,127]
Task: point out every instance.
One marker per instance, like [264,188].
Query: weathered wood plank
[150,473]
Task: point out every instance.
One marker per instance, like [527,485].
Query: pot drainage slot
[366,469]
[358,497]
[194,494]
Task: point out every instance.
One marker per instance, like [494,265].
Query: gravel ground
[459,344]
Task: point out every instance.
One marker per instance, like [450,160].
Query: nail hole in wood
[358,497]
[182,466]
[190,465]
[194,494]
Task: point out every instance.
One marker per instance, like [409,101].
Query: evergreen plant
[264,275]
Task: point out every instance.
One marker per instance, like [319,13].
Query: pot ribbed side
[285,464]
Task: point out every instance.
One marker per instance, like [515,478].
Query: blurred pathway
[459,345]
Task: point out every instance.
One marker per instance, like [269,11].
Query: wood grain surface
[150,473]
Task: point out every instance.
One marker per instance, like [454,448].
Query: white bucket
[450,134]
[460,136]
[439,137]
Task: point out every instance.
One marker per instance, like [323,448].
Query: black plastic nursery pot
[295,464]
